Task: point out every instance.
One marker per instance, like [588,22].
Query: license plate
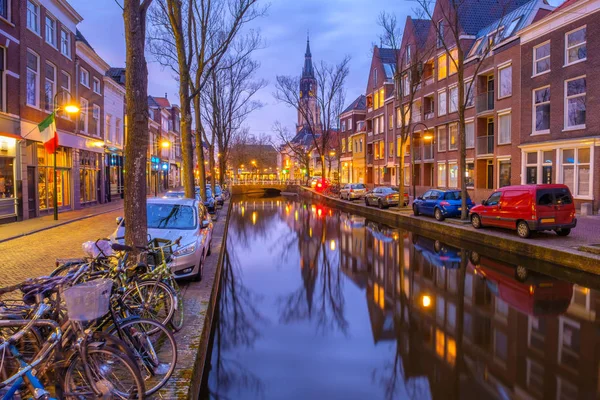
[547,220]
[547,284]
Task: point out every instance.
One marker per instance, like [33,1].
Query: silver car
[171,218]
[352,191]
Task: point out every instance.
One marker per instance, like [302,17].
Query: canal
[317,303]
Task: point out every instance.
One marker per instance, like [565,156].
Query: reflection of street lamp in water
[426,301]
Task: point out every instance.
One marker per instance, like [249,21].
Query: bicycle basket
[155,257]
[88,301]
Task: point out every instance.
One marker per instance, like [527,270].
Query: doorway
[31,195]
[490,175]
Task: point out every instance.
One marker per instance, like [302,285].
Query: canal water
[317,303]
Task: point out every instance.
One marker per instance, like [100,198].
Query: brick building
[351,122]
[559,141]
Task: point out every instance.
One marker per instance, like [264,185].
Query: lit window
[441,175]
[575,46]
[453,144]
[541,58]
[453,60]
[575,108]
[453,174]
[381,97]
[442,66]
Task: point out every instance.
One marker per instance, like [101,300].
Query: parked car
[322,184]
[177,194]
[440,204]
[440,255]
[313,181]
[352,191]
[528,208]
[406,198]
[383,197]
[209,202]
[171,218]
[219,195]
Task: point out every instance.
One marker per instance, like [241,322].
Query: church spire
[307,71]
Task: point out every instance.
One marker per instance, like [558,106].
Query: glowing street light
[165,144]
[426,301]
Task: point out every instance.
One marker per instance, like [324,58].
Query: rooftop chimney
[165,95]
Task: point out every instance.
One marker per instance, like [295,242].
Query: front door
[31,195]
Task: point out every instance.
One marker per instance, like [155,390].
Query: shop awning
[11,135]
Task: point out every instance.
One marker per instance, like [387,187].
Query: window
[442,67]
[531,167]
[575,46]
[96,116]
[535,376]
[569,343]
[33,16]
[565,390]
[376,126]
[83,115]
[504,173]
[453,61]
[442,138]
[453,173]
[541,58]
[469,94]
[576,171]
[343,126]
[65,43]
[381,97]
[440,36]
[453,107]
[50,31]
[84,77]
[391,121]
[453,143]
[441,175]
[96,85]
[361,145]
[407,55]
[376,97]
[375,76]
[382,149]
[49,87]
[500,346]
[541,115]
[399,118]
[470,174]
[475,49]
[511,28]
[381,124]
[442,103]
[349,145]
[406,112]
[4,4]
[505,82]
[504,122]
[470,135]
[406,89]
[349,124]
[108,129]
[575,103]
[33,79]
[118,137]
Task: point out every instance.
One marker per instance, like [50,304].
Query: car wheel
[415,210]
[380,205]
[209,252]
[476,221]
[521,273]
[563,231]
[523,229]
[438,214]
[200,273]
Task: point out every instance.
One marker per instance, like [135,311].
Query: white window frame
[472,92]
[8,16]
[584,43]
[108,128]
[96,115]
[562,322]
[96,81]
[54,86]
[84,112]
[52,36]
[451,109]
[350,123]
[576,165]
[560,382]
[472,123]
[37,13]
[443,111]
[500,116]
[536,60]
[566,105]
[37,80]
[533,108]
[118,134]
[499,161]
[504,68]
[442,178]
[451,184]
[439,142]
[455,147]
[65,44]
[84,72]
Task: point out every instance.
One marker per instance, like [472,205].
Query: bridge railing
[267,182]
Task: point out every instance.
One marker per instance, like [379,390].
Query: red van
[527,208]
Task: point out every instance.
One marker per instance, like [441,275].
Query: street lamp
[70,108]
[165,144]
[412,154]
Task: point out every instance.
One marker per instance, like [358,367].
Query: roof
[388,56]
[421,29]
[474,15]
[117,74]
[80,38]
[565,4]
[160,102]
[304,137]
[359,104]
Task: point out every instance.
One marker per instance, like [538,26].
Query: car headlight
[182,251]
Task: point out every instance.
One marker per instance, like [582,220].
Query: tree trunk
[136,146]
[401,172]
[323,166]
[462,136]
[184,89]
[211,166]
[200,148]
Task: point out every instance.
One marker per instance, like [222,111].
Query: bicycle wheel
[111,373]
[177,320]
[154,348]
[150,299]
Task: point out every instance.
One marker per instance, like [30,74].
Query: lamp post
[412,157]
[70,108]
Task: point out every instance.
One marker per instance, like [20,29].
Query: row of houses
[526,96]
[45,62]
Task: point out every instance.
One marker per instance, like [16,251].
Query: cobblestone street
[34,255]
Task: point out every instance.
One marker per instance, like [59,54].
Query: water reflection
[322,304]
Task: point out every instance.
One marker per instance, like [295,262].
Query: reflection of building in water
[352,248]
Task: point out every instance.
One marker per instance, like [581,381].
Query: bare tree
[330,97]
[298,152]
[136,98]
[448,36]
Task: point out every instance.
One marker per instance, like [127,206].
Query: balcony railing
[484,102]
[485,145]
[429,115]
[428,152]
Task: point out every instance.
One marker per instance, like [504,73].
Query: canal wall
[502,240]
[200,301]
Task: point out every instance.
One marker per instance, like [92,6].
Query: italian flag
[49,135]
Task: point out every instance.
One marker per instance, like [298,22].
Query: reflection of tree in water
[237,324]
[320,298]
[253,220]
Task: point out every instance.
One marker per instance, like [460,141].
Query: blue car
[440,204]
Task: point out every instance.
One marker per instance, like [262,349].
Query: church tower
[308,92]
